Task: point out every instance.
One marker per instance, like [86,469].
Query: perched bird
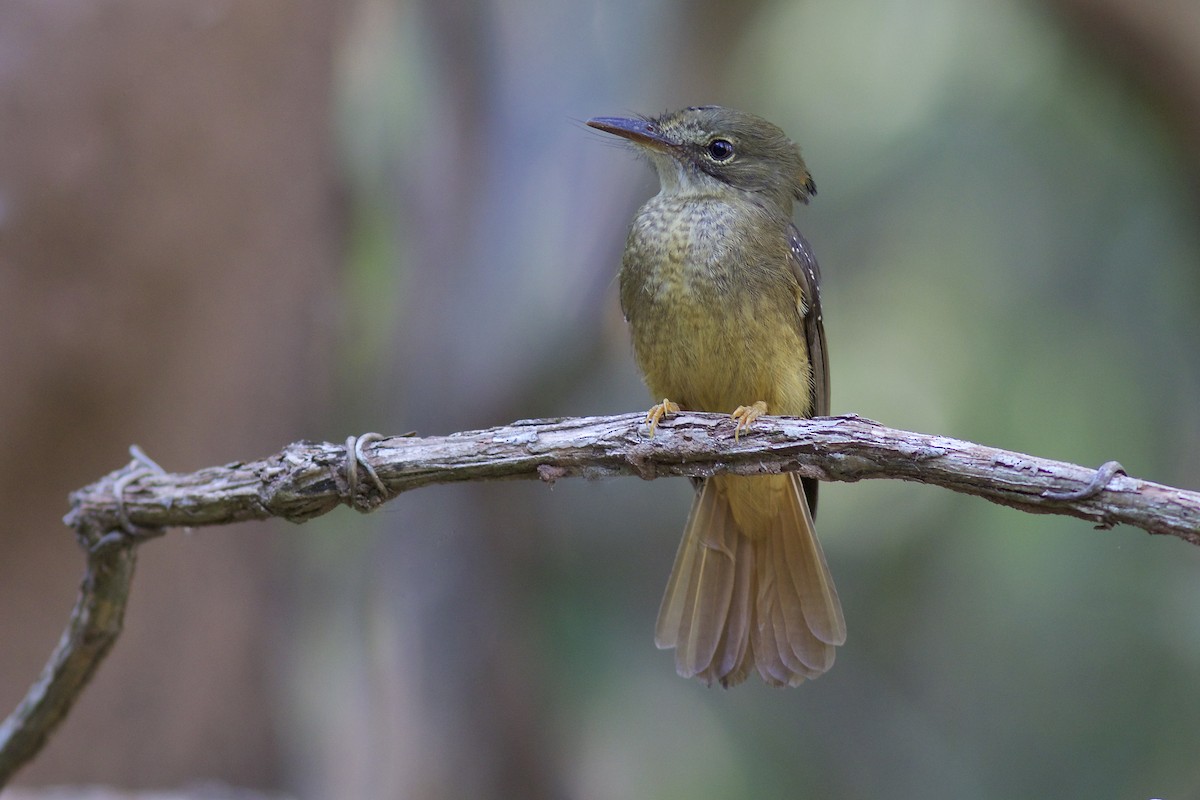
[723,301]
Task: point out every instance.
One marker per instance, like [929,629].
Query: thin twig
[93,628]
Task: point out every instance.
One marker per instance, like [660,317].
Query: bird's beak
[638,131]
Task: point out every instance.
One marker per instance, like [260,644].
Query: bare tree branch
[93,628]
[308,479]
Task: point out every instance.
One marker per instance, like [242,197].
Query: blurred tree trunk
[169,229]
[1156,44]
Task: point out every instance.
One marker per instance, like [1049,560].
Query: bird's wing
[808,273]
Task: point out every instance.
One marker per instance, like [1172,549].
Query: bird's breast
[712,305]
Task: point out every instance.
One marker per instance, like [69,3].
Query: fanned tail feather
[750,587]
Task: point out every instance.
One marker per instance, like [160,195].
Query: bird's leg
[663,409]
[746,415]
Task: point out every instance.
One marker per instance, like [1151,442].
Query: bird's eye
[720,150]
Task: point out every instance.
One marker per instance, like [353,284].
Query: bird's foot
[663,409]
[745,415]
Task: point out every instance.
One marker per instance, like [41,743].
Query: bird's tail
[750,587]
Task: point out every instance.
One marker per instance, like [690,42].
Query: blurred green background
[227,226]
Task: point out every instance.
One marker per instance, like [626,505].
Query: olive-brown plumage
[722,296]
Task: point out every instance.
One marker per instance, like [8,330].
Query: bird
[721,293]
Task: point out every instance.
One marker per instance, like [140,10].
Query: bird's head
[709,149]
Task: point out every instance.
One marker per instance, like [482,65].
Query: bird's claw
[745,415]
[659,411]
